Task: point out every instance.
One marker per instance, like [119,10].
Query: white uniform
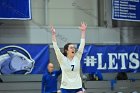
[70,68]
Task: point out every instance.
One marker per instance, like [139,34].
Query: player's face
[50,67]
[71,50]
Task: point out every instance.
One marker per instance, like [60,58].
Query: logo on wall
[15,60]
[111,58]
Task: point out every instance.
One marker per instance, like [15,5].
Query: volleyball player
[70,62]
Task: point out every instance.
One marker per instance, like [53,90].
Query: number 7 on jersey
[72,67]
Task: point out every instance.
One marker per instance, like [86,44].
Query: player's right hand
[53,30]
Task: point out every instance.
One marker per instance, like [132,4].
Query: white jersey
[70,68]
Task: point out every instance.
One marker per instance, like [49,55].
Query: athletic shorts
[70,90]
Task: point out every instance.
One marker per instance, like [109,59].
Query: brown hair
[66,48]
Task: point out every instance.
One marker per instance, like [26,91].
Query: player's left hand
[83,26]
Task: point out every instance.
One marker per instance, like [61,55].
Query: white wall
[36,31]
[64,35]
[72,12]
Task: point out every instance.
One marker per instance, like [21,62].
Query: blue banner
[128,10]
[111,58]
[24,58]
[15,9]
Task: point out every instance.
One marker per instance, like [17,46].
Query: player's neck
[70,57]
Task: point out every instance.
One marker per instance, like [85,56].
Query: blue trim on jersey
[70,90]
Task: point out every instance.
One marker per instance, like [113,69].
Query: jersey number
[72,67]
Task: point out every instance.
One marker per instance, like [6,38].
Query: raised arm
[58,53]
[53,34]
[83,28]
